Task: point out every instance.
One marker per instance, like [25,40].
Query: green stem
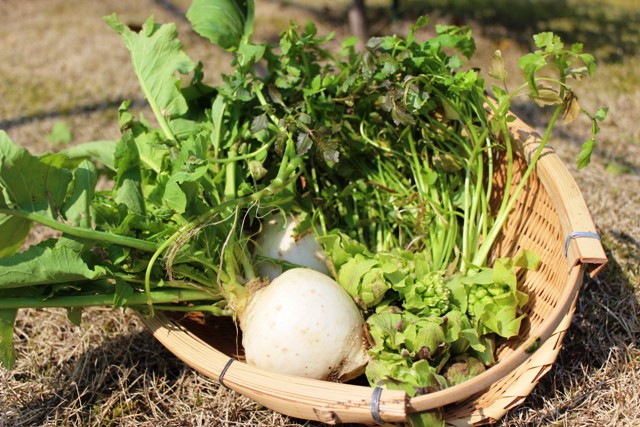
[229,159]
[165,296]
[483,251]
[230,177]
[248,23]
[152,261]
[83,233]
[211,309]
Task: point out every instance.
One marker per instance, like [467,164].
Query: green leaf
[157,55]
[249,54]
[128,180]
[584,156]
[549,42]
[7,350]
[150,149]
[98,151]
[458,292]
[122,293]
[352,276]
[36,185]
[76,207]
[431,418]
[601,114]
[220,21]
[590,62]
[531,63]
[60,134]
[190,166]
[13,232]
[74,314]
[527,259]
[42,264]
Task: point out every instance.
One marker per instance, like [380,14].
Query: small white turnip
[280,241]
[305,324]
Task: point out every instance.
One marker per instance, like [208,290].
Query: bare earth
[59,62]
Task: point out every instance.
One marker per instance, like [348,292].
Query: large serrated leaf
[157,55]
[42,264]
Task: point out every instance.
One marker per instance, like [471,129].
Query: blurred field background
[63,73]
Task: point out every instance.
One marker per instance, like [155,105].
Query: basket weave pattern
[548,210]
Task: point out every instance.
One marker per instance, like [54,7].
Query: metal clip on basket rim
[224,371]
[578,234]
[375,406]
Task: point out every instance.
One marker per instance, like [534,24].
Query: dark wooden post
[358,22]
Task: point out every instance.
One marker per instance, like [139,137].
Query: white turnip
[305,324]
[279,241]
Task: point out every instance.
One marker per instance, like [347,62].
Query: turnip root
[305,324]
[280,241]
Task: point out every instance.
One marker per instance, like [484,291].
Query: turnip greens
[386,155]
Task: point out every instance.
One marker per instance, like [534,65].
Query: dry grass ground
[60,62]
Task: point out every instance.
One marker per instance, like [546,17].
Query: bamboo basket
[550,218]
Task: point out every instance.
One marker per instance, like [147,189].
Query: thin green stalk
[152,261]
[483,251]
[83,233]
[211,309]
[248,23]
[417,169]
[470,203]
[164,296]
[230,177]
[255,153]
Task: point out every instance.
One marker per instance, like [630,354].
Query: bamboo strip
[566,196]
[328,402]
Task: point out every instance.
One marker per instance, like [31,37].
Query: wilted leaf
[570,108]
[546,96]
[497,69]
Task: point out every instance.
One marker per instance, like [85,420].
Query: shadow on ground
[89,382]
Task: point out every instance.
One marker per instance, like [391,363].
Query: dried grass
[59,62]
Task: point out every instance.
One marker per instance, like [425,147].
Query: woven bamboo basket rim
[334,403]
